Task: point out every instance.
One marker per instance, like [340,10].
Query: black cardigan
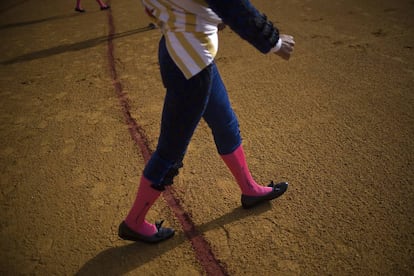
[243,18]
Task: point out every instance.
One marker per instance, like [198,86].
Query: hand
[287,46]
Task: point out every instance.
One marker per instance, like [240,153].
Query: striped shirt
[190,30]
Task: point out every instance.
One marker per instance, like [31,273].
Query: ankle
[145,228]
[254,189]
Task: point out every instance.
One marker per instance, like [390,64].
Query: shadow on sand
[74,46]
[123,259]
[37,21]
[11,6]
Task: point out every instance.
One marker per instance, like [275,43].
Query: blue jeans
[186,102]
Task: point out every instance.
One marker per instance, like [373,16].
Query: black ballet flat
[126,233]
[105,8]
[79,10]
[251,201]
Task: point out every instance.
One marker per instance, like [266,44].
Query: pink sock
[236,162]
[146,196]
[78,4]
[101,4]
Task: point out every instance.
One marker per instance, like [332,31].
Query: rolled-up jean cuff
[157,168]
[229,150]
[230,140]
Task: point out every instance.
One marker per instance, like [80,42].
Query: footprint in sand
[42,124]
[7,151]
[69,146]
[62,116]
[94,117]
[60,95]
[107,142]
[98,194]
[289,266]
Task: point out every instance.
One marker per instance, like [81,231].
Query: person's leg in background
[78,6]
[102,5]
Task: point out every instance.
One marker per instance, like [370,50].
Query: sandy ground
[336,121]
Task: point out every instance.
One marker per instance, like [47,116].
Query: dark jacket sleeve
[243,18]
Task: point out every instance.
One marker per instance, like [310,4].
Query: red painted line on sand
[201,247]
